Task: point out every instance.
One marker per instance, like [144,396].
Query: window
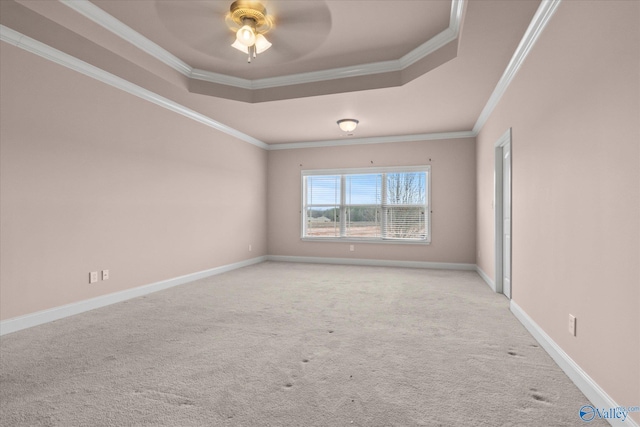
[383,204]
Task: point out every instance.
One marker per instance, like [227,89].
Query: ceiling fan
[250,22]
[295,27]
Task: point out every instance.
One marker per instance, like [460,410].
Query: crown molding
[428,47]
[21,41]
[294,79]
[31,45]
[374,140]
[99,16]
[381,67]
[538,23]
[117,27]
[455,20]
[224,79]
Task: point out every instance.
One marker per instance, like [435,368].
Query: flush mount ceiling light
[348,125]
[249,20]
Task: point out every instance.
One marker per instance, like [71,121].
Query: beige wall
[452,199]
[574,110]
[93,178]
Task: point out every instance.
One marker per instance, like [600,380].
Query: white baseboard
[373,262]
[38,318]
[486,278]
[596,395]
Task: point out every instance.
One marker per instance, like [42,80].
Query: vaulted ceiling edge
[337,80]
[544,13]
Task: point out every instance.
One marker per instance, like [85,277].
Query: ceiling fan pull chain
[252,52]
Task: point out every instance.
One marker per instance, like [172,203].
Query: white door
[506,220]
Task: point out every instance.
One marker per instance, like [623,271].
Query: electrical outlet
[250,248]
[93,277]
[352,248]
[105,274]
[572,325]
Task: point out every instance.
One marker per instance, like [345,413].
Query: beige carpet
[280,344]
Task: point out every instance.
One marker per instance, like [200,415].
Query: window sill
[368,241]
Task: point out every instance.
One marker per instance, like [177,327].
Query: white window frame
[355,171]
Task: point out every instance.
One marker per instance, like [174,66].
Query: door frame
[498,197]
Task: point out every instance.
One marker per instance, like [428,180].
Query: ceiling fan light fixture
[249,20]
[348,125]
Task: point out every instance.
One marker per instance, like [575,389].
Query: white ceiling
[443,90]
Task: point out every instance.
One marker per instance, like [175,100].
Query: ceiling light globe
[246,36]
[242,48]
[262,43]
[348,125]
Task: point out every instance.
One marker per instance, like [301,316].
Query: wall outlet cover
[572,325]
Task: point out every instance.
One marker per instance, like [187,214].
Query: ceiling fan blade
[290,48]
[193,17]
[299,27]
[302,16]
[192,9]
[199,24]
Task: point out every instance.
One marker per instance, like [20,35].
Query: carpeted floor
[280,344]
